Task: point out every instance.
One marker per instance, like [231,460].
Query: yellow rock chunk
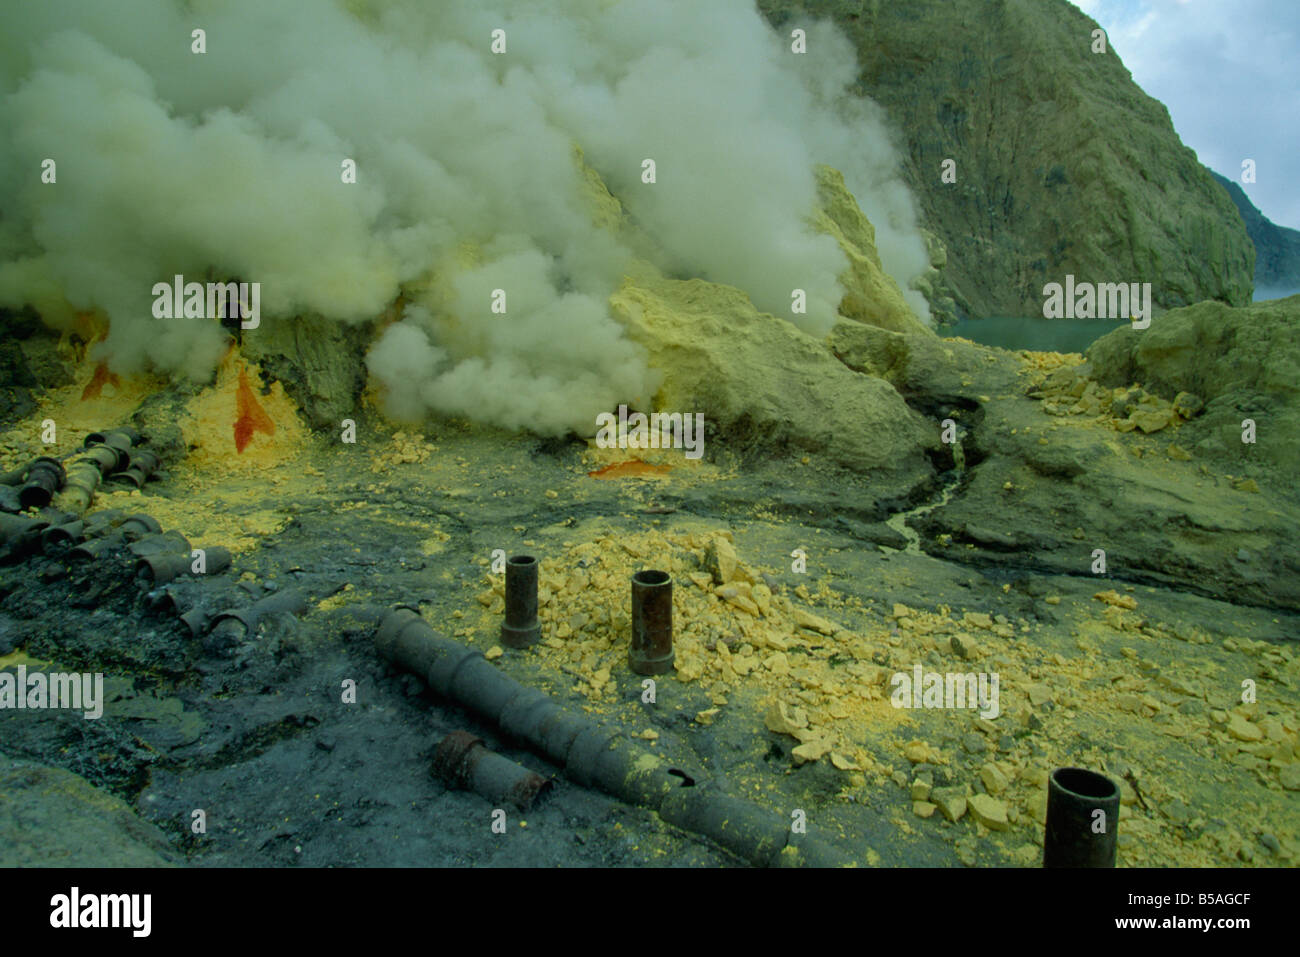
[1112,597]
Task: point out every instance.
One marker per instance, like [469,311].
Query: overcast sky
[1229,72]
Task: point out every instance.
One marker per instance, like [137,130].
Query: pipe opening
[687,780]
[1085,784]
[521,560]
[651,577]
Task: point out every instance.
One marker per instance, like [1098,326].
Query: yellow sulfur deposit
[209,423]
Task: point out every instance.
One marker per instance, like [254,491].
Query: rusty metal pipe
[239,623]
[171,542]
[136,527]
[521,628]
[13,527]
[159,568]
[45,476]
[83,478]
[62,536]
[143,464]
[96,548]
[123,434]
[464,761]
[651,651]
[106,458]
[742,828]
[20,535]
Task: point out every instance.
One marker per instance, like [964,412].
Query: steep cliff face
[1063,165]
[1277,249]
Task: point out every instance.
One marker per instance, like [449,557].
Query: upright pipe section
[1076,834]
[521,628]
[651,651]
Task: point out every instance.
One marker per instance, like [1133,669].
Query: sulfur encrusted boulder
[870,294]
[1240,363]
[762,382]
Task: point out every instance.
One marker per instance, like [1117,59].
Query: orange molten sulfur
[250,417]
[97,382]
[630,469]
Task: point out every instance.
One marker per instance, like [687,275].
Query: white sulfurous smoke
[227,164]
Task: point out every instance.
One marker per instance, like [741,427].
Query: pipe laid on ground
[123,435]
[160,543]
[103,453]
[92,549]
[233,626]
[1076,835]
[464,761]
[62,536]
[590,754]
[136,527]
[12,527]
[83,478]
[143,464]
[193,604]
[158,568]
[14,478]
[101,523]
[106,459]
[45,476]
[521,627]
[20,535]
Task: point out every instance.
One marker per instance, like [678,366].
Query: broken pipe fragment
[464,761]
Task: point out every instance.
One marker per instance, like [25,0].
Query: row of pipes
[115,457]
[165,566]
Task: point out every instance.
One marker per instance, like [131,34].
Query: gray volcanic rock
[1063,164]
[1242,363]
[53,818]
[1063,459]
[924,366]
[318,361]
